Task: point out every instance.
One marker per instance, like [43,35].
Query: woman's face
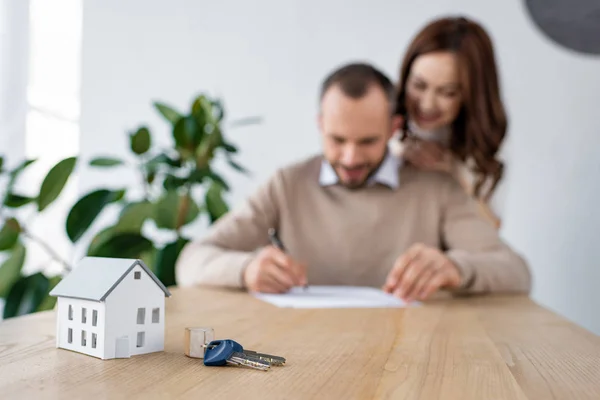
[433,90]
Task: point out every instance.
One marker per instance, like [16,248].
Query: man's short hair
[355,80]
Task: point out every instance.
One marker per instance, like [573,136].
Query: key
[273,360]
[222,352]
[237,348]
[241,359]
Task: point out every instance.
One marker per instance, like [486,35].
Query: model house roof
[95,277]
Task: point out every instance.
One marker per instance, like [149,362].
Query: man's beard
[372,168]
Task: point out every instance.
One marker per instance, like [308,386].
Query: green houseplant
[170,179]
[178,186]
[26,294]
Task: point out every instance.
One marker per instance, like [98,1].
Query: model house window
[94,317]
[70,312]
[137,275]
[70,336]
[141,316]
[155,315]
[83,315]
[94,338]
[83,340]
[140,339]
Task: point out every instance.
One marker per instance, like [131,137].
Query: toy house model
[110,308]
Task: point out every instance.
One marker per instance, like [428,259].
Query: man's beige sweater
[353,237]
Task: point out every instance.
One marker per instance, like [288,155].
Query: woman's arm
[431,155]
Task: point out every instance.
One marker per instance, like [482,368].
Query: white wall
[14,58]
[268,58]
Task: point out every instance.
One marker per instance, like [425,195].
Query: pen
[275,241]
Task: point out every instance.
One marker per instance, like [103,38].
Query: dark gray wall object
[574,24]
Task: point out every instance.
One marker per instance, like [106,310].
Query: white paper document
[334,297]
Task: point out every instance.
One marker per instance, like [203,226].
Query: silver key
[242,359]
[273,360]
[253,355]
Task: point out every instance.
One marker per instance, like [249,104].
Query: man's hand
[273,271]
[419,272]
[428,155]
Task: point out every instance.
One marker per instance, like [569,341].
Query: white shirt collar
[387,173]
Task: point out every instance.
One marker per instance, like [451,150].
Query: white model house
[110,308]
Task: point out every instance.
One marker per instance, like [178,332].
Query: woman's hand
[428,155]
[421,271]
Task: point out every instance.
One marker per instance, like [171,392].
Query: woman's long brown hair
[480,126]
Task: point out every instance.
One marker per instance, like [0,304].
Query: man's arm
[220,258]
[485,261]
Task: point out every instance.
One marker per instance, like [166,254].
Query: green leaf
[237,166]
[150,176]
[173,182]
[245,121]
[26,295]
[156,161]
[198,175]
[215,204]
[149,258]
[140,140]
[169,113]
[164,159]
[16,200]
[10,270]
[55,181]
[218,179]
[122,245]
[200,110]
[166,259]
[119,194]
[133,216]
[9,234]
[100,238]
[187,133]
[106,162]
[216,137]
[181,138]
[166,212]
[1,163]
[85,211]
[14,174]
[49,301]
[230,148]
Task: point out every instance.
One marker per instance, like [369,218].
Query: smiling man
[355,215]
[356,125]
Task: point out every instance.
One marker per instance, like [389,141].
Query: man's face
[355,133]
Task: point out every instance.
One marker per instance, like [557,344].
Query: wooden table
[476,348]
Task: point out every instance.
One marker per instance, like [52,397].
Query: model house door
[122,347]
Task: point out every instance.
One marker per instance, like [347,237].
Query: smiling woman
[449,97]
